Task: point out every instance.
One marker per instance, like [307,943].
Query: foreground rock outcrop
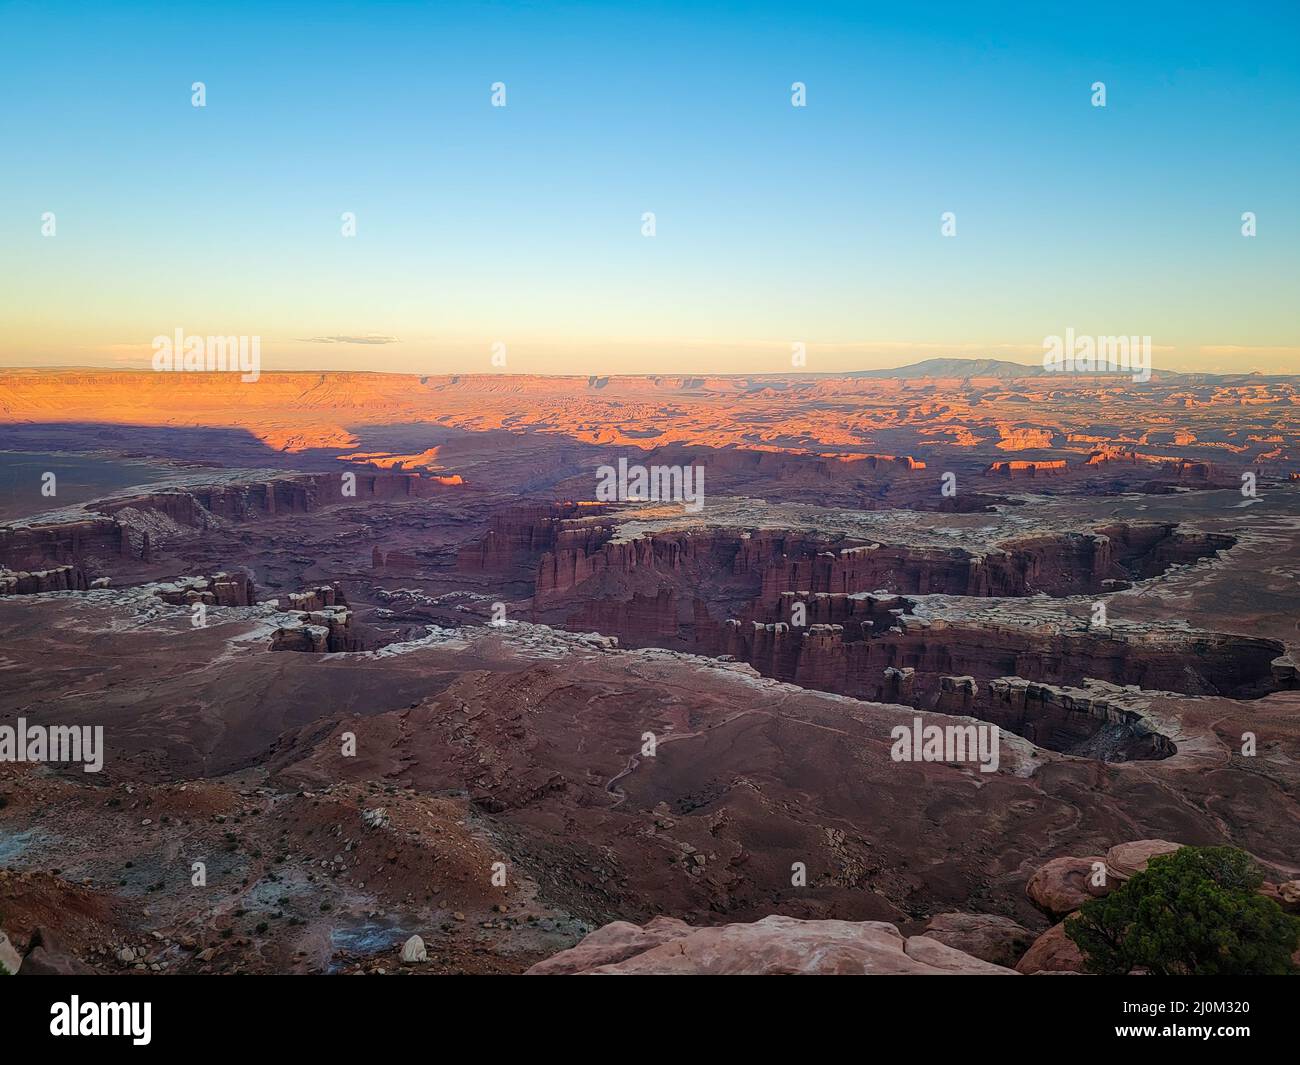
[771,947]
[1052,952]
[952,943]
[994,939]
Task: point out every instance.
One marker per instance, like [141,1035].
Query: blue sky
[775,224]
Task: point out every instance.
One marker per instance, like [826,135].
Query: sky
[518,230]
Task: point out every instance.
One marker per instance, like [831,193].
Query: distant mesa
[1019,469]
[962,368]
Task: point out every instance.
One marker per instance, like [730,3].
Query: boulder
[1064,884]
[46,956]
[1127,859]
[413,951]
[948,961]
[997,940]
[1052,952]
[1286,894]
[775,946]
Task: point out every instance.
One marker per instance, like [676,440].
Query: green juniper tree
[1196,911]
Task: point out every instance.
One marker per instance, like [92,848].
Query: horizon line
[1034,370]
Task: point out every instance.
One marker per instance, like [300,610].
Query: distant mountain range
[947,367]
[1007,371]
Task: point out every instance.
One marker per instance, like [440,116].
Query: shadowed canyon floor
[372,660]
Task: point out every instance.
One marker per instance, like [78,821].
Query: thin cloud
[372,339]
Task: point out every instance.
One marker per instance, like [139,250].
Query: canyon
[370,649]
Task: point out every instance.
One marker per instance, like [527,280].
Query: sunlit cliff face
[838,419]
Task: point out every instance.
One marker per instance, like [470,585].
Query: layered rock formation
[131,526]
[571,551]
[1126,860]
[323,595]
[221,589]
[55,579]
[323,622]
[69,542]
[519,535]
[1015,676]
[318,632]
[1094,721]
[812,609]
[1020,469]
